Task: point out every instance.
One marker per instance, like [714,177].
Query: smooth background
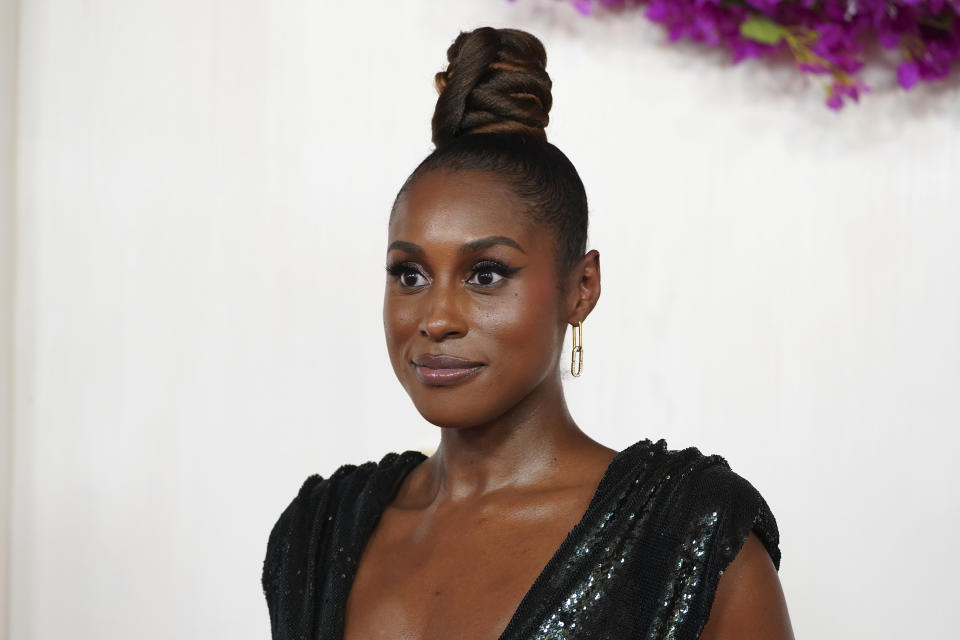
[8,150]
[201,202]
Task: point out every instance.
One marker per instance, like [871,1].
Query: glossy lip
[437,370]
[443,361]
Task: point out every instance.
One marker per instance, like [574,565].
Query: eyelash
[397,269]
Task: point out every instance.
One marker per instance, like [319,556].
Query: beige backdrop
[8,110]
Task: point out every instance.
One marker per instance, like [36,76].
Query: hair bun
[496,82]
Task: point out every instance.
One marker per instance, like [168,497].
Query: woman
[520,525]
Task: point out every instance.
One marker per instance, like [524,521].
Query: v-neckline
[561,551]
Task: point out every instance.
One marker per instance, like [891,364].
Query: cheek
[523,326]
[399,321]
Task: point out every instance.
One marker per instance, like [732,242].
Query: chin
[449,413]
[476,402]
[464,408]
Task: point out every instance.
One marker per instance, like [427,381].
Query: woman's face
[471,310]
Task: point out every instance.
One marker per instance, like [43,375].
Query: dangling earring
[576,355]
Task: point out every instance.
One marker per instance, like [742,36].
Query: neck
[524,447]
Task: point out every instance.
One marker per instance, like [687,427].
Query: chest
[460,573]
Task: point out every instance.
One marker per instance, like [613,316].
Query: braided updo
[490,116]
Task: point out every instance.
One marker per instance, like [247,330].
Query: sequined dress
[642,563]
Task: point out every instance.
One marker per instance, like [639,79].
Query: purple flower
[743,48]
[584,6]
[658,11]
[908,73]
[765,6]
[835,101]
[826,37]
[888,39]
[844,88]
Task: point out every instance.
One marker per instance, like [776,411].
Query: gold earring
[576,355]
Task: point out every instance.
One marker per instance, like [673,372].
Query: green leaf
[943,22]
[761,29]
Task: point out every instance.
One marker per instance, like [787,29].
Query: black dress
[642,563]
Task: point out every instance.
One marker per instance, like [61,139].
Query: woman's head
[486,255]
[496,85]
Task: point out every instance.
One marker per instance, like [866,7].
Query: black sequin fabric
[642,563]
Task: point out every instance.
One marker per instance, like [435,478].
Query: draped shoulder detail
[708,513]
[644,561]
[316,541]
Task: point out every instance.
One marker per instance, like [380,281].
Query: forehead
[444,207]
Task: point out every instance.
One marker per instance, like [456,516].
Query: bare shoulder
[749,602]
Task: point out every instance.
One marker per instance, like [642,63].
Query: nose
[443,317]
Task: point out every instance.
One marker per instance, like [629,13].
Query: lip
[441,361]
[436,370]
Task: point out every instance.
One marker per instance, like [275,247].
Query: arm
[749,603]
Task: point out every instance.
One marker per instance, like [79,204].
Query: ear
[583,287]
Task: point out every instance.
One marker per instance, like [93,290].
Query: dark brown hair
[490,116]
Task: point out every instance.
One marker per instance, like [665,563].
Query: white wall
[204,189]
[8,110]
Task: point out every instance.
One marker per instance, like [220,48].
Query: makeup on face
[470,304]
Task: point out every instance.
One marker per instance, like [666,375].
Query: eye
[409,276]
[485,277]
[412,278]
[489,273]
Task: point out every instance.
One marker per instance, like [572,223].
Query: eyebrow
[473,245]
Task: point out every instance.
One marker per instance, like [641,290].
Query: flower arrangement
[825,37]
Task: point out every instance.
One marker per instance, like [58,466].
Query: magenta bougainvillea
[825,37]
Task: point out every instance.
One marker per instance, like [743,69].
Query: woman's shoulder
[315,487]
[325,511]
[324,493]
[691,489]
